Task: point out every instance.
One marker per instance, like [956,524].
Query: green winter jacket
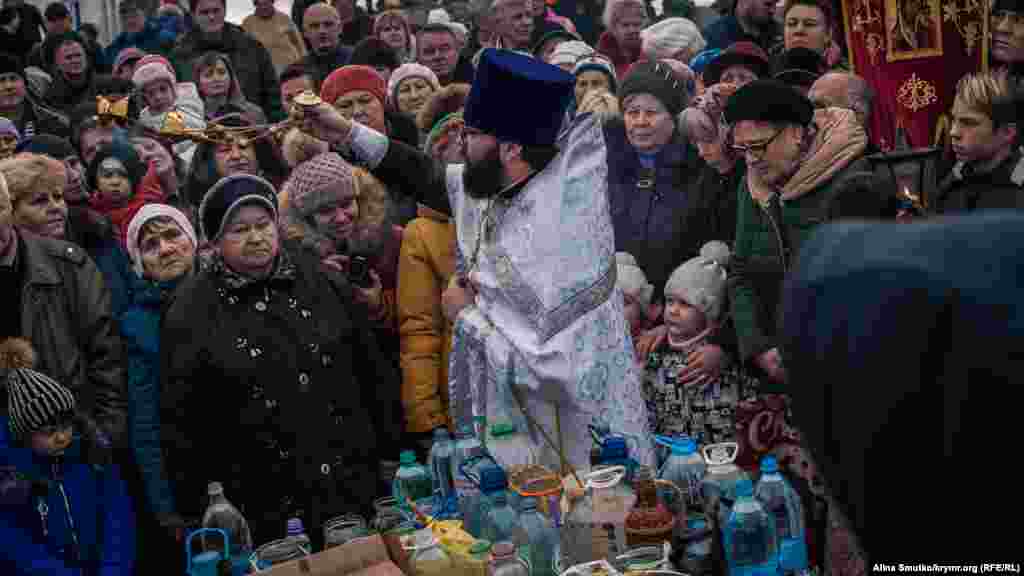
[765,230]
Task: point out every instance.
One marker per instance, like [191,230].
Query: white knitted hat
[666,38]
[632,280]
[147,213]
[701,281]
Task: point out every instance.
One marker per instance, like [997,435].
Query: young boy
[681,402]
[154,77]
[64,509]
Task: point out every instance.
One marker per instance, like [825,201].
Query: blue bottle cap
[528,504]
[614,448]
[295,527]
[441,434]
[684,447]
[407,457]
[769,465]
[744,489]
[492,479]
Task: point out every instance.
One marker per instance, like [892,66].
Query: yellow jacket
[425,264]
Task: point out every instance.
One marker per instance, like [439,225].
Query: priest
[541,351]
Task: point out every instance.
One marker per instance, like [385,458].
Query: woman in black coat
[264,376]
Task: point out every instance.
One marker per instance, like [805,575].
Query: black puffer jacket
[263,389]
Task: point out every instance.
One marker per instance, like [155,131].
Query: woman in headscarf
[220,90]
[409,88]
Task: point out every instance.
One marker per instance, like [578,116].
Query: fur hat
[152,68]
[800,67]
[570,52]
[441,113]
[630,278]
[404,72]
[351,78]
[147,213]
[229,194]
[701,281]
[666,38]
[769,101]
[34,400]
[657,79]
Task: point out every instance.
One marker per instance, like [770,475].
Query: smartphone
[359,272]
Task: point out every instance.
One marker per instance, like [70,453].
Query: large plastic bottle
[536,539]
[441,465]
[411,481]
[779,498]
[499,520]
[220,513]
[297,533]
[749,538]
[471,459]
[718,489]
[684,467]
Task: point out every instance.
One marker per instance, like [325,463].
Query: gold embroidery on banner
[913,29]
[864,18]
[915,93]
[966,16]
[873,42]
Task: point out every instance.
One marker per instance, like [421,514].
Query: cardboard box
[361,557]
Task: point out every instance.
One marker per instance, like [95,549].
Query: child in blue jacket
[64,508]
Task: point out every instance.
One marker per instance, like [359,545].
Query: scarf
[689,345]
[283,273]
[839,140]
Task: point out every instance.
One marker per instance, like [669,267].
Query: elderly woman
[219,88]
[162,245]
[409,88]
[269,376]
[393,28]
[675,38]
[623,20]
[359,93]
[426,263]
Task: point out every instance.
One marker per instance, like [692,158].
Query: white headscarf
[147,213]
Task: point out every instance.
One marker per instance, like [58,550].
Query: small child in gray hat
[679,400]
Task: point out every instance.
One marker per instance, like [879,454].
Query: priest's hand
[324,122]
[459,294]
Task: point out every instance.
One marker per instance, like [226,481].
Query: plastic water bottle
[411,481]
[536,539]
[751,544]
[508,444]
[499,520]
[781,501]
[297,533]
[222,514]
[505,562]
[441,465]
[468,459]
[684,467]
[718,488]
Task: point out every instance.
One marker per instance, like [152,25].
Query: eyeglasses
[757,150]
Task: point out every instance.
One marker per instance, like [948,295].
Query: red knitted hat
[350,78]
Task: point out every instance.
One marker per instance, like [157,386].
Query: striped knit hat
[34,400]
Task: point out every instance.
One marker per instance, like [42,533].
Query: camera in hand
[359,272]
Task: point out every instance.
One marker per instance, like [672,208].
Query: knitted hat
[668,37]
[11,65]
[601,64]
[569,52]
[769,101]
[406,71]
[800,67]
[312,183]
[152,68]
[375,53]
[630,278]
[700,62]
[351,78]
[551,35]
[227,196]
[130,53]
[7,128]
[495,103]
[738,54]
[48,145]
[701,281]
[34,400]
[123,152]
[147,213]
[657,79]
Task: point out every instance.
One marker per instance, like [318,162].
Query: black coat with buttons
[264,388]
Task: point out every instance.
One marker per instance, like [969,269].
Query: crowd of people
[595,208]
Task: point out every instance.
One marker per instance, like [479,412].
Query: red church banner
[913,52]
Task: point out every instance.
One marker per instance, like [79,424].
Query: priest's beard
[483,178]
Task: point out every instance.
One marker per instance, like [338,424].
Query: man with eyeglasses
[1007,27]
[798,160]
